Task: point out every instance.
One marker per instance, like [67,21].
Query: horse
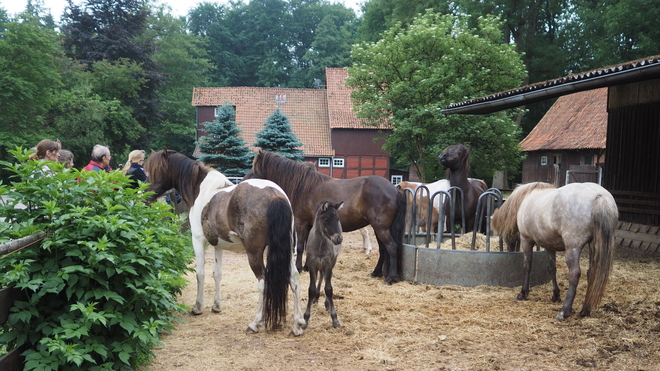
[422,198]
[246,217]
[456,158]
[323,246]
[563,219]
[368,200]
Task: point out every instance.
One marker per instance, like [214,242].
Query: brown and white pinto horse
[367,200]
[456,158]
[563,219]
[249,216]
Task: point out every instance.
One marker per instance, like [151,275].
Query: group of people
[51,150]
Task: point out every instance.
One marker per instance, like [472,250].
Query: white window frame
[544,160]
[324,162]
[396,179]
[337,162]
[215,111]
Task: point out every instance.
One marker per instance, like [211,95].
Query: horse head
[328,218]
[455,157]
[169,169]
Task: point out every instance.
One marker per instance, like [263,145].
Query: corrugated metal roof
[641,69]
[306,110]
[575,121]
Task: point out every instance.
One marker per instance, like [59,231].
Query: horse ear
[324,207]
[339,205]
[165,152]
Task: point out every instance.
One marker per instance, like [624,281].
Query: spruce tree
[222,148]
[278,137]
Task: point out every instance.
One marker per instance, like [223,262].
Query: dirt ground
[423,327]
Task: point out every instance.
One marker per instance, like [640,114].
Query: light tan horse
[563,219]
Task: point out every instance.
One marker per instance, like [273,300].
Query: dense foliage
[120,73]
[411,74]
[222,148]
[101,287]
[277,136]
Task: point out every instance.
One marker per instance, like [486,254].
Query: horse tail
[604,220]
[278,261]
[397,229]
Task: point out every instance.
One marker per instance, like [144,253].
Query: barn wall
[357,142]
[633,151]
[533,171]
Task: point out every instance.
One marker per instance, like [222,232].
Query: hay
[413,327]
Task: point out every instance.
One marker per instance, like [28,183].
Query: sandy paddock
[424,327]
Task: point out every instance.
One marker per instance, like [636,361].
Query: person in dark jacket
[133,167]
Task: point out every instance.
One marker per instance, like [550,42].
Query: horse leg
[526,246]
[298,321]
[199,242]
[329,304]
[302,232]
[366,242]
[256,262]
[217,276]
[552,268]
[382,258]
[391,260]
[573,263]
[312,295]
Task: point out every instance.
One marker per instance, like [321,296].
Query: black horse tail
[278,262]
[604,220]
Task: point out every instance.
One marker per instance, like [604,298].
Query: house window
[544,160]
[338,162]
[587,160]
[396,179]
[324,162]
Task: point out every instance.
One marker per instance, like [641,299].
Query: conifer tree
[278,137]
[222,148]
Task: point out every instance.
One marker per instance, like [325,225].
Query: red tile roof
[340,106]
[576,121]
[306,110]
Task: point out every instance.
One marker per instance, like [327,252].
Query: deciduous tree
[410,75]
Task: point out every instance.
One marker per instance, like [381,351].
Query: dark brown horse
[246,217]
[367,200]
[323,246]
[456,158]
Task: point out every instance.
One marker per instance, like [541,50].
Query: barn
[632,166]
[568,144]
[322,119]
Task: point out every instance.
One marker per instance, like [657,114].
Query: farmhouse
[568,144]
[322,119]
[632,169]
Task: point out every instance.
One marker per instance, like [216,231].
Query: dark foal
[323,246]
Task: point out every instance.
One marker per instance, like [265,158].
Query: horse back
[238,214]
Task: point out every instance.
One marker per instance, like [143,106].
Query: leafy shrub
[101,288]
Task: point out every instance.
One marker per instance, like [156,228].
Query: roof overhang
[625,73]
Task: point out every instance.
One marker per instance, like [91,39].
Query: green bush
[101,288]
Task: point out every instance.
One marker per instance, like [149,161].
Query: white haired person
[100,159]
[133,167]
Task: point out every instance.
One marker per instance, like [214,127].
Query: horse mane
[295,178]
[171,167]
[505,219]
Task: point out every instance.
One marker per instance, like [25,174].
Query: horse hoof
[521,296]
[335,324]
[216,309]
[560,318]
[376,274]
[250,330]
[585,313]
[196,312]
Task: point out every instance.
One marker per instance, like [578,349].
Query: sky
[179,7]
